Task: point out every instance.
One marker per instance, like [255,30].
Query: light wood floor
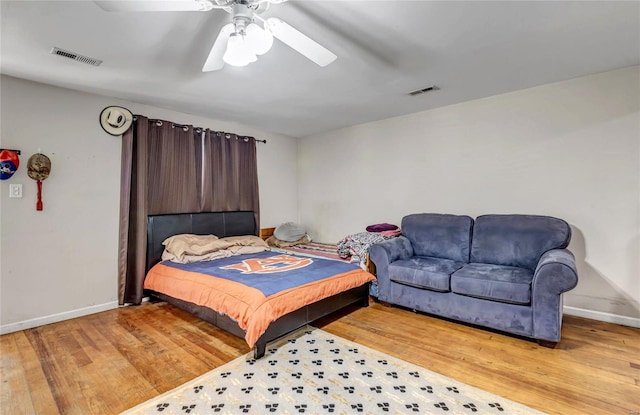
[108,362]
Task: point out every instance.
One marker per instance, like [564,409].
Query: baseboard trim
[54,318]
[602,316]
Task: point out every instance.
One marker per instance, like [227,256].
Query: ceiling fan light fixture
[204,5]
[238,52]
[259,39]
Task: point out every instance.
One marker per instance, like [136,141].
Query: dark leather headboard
[221,224]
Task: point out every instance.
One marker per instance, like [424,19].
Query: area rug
[314,372]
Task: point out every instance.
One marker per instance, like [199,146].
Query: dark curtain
[173,170]
[170,168]
[159,175]
[230,176]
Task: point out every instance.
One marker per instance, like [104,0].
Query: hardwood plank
[108,362]
[14,379]
[54,363]
[103,369]
[517,369]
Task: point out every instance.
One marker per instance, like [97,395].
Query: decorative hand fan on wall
[239,42]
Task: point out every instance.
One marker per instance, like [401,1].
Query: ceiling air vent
[75,56]
[423,90]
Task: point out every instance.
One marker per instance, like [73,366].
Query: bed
[332,251]
[264,312]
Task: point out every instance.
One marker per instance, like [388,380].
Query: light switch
[15,190]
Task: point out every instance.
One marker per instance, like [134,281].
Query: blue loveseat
[505,272]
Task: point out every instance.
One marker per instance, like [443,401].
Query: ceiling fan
[239,42]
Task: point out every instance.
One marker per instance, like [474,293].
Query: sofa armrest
[555,274]
[384,253]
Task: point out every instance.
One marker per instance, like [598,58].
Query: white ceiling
[385,49]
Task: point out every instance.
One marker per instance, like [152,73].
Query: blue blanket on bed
[269,272]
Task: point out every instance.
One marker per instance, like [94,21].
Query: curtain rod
[159,123]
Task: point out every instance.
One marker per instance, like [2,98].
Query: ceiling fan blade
[154,5]
[300,42]
[214,60]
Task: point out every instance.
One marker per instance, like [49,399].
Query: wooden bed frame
[221,224]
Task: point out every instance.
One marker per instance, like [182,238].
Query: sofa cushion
[439,235]
[517,240]
[494,282]
[424,272]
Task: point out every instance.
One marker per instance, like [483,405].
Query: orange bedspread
[248,306]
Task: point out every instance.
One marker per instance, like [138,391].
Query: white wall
[569,149]
[62,262]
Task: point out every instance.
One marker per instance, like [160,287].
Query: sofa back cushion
[439,235]
[517,240]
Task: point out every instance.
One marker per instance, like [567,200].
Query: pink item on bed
[381,227]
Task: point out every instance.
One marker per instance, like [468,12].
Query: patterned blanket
[358,244]
[316,250]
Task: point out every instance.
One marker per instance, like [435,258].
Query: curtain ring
[184,127]
[159,123]
[246,139]
[227,136]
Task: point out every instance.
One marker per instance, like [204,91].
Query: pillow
[187,259]
[245,240]
[188,248]
[289,232]
[189,244]
[246,249]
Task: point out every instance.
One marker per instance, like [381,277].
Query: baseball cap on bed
[116,120]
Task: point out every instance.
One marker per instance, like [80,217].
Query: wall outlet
[15,190]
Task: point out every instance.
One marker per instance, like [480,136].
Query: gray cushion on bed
[289,232]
